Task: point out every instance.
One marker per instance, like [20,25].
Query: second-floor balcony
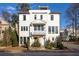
[38,22]
[38,33]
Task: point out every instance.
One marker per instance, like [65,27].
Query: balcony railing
[38,33]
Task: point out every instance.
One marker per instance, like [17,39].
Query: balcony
[38,22]
[38,33]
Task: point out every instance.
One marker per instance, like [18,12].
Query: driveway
[71,46]
[73,50]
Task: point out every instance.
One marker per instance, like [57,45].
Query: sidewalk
[44,49]
[21,49]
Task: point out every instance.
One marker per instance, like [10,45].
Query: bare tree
[6,15]
[72,14]
[23,7]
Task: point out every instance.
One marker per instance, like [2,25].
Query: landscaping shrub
[48,44]
[26,45]
[72,38]
[5,43]
[36,43]
[1,43]
[58,43]
[14,39]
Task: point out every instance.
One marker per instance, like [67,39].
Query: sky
[54,7]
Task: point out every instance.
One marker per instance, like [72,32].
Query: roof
[55,13]
[20,12]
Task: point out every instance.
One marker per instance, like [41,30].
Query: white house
[41,24]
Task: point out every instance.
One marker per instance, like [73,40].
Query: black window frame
[53,29]
[35,17]
[41,16]
[56,29]
[49,29]
[52,17]
[22,28]
[21,39]
[24,17]
[26,28]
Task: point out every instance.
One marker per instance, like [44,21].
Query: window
[52,39]
[41,16]
[24,17]
[34,16]
[52,29]
[20,40]
[56,29]
[42,28]
[49,29]
[24,40]
[26,28]
[51,17]
[35,27]
[39,27]
[21,28]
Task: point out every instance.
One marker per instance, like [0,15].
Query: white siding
[46,19]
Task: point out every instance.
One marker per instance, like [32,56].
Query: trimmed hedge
[58,44]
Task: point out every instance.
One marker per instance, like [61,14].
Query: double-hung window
[52,29]
[24,17]
[52,17]
[41,16]
[49,29]
[35,17]
[24,28]
[56,29]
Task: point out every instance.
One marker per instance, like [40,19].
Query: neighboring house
[41,24]
[64,34]
[70,32]
[3,25]
[67,33]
